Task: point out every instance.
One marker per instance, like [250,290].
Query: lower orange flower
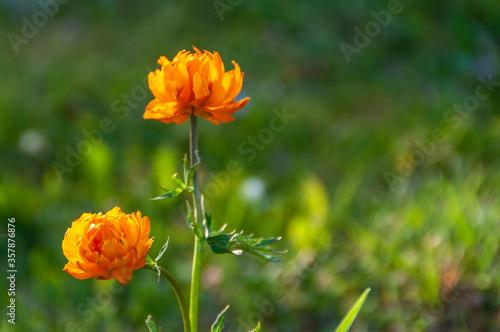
[107,246]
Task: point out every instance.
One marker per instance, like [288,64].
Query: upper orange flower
[107,246]
[194,84]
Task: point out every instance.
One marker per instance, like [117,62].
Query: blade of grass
[349,318]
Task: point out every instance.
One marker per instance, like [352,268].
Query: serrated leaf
[162,250]
[220,243]
[219,321]
[349,318]
[151,324]
[257,328]
[269,258]
[170,193]
[266,242]
[237,243]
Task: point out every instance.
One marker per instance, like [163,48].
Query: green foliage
[181,185]
[233,242]
[349,318]
[237,243]
[170,193]
[189,171]
[218,325]
[219,321]
[198,229]
[151,324]
[162,250]
[257,328]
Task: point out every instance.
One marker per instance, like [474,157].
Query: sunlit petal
[107,246]
[194,84]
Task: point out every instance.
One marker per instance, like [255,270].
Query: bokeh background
[384,173]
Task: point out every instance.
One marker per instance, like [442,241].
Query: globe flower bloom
[194,83]
[107,246]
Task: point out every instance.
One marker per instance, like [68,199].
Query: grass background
[426,241]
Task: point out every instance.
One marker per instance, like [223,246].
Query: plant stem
[195,158]
[198,244]
[195,284]
[177,290]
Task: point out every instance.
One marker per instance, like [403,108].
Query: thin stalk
[198,244]
[177,290]
[195,158]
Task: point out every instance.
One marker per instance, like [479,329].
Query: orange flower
[194,84]
[107,246]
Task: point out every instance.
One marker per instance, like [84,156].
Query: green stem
[177,290]
[198,244]
[195,158]
[195,284]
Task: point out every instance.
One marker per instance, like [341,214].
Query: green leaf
[189,172]
[208,222]
[346,323]
[178,181]
[220,243]
[197,228]
[219,321]
[152,263]
[257,328]
[237,243]
[198,231]
[162,250]
[151,324]
[190,175]
[150,260]
[171,192]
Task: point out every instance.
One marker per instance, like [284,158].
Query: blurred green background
[385,175]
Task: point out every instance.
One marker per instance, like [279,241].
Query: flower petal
[157,85]
[107,246]
[201,90]
[194,83]
[222,113]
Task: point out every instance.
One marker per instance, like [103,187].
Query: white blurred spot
[253,188]
[32,142]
